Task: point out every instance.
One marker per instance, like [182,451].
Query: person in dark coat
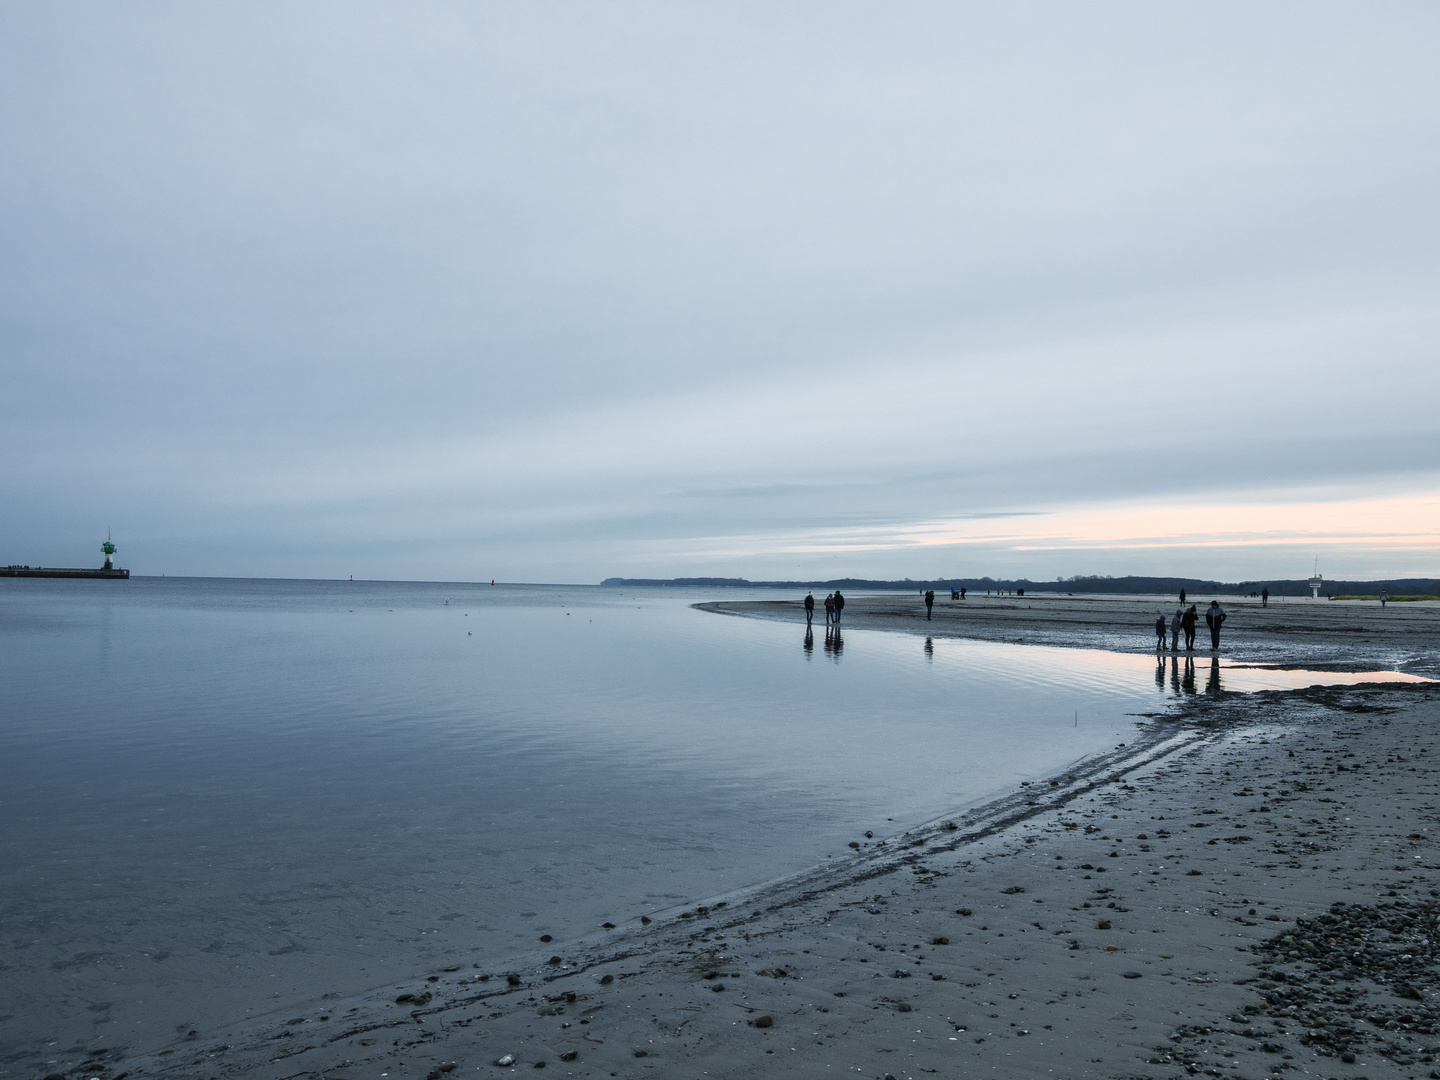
[809,607]
[1187,623]
[839,606]
[1159,632]
[1265,596]
[929,603]
[1213,618]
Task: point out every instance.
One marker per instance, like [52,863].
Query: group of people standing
[834,605]
[1186,619]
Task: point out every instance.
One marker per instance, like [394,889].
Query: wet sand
[1339,635]
[1249,888]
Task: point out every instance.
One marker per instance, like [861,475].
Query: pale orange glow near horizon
[1394,523]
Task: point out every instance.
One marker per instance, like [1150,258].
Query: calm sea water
[223,797]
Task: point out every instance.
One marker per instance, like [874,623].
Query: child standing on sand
[1187,623]
[1159,632]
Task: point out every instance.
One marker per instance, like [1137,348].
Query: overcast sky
[553,292]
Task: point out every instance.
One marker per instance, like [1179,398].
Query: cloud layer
[554,292]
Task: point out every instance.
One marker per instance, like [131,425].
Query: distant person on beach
[809,607]
[962,592]
[1265,596]
[1187,623]
[829,609]
[839,606]
[929,603]
[1384,596]
[1213,618]
[1182,596]
[1175,621]
[1159,632]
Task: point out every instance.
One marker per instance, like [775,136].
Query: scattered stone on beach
[764,1021]
[570,1055]
[606,980]
[505,1060]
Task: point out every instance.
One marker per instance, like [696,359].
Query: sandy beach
[1248,888]
[1338,635]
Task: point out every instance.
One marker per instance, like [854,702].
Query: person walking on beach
[809,607]
[1182,596]
[829,609]
[1175,630]
[1159,632]
[929,603]
[1384,596]
[1213,618]
[1265,596]
[1187,623]
[839,606]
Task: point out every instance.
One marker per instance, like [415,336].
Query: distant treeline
[1162,585]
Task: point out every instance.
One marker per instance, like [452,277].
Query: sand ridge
[1340,635]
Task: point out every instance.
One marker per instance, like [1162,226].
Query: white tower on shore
[1316,582]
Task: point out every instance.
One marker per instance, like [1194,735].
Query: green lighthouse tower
[109,549]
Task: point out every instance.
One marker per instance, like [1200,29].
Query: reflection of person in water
[929,649]
[809,640]
[1160,671]
[1212,685]
[1175,675]
[833,642]
[1187,681]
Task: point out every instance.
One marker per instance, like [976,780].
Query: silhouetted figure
[1159,632]
[962,592]
[1175,630]
[1213,618]
[1182,596]
[829,609]
[1384,596]
[839,606]
[1265,596]
[809,608]
[1187,623]
[1212,685]
[929,603]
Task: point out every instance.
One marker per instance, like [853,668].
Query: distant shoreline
[1131,585]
